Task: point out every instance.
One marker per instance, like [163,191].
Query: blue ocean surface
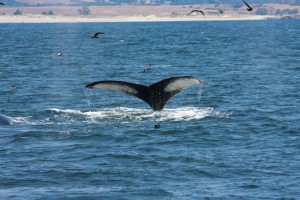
[235,137]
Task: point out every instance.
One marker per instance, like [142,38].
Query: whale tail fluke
[156,95]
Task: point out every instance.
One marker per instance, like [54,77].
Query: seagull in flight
[200,11]
[95,35]
[249,7]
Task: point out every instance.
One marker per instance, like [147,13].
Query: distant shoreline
[89,19]
[69,14]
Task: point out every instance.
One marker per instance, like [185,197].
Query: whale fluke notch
[156,95]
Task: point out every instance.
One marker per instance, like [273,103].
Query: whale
[155,95]
[5,120]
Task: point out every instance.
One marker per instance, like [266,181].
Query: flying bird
[2,4]
[95,35]
[155,95]
[200,11]
[249,7]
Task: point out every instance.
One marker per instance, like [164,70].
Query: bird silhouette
[249,7]
[200,11]
[95,35]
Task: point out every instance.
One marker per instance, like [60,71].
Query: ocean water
[237,137]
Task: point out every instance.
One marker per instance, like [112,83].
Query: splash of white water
[133,114]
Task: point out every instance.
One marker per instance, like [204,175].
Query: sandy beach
[153,18]
[68,14]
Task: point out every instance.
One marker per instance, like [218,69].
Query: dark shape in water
[156,95]
[5,120]
[95,35]
[157,125]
